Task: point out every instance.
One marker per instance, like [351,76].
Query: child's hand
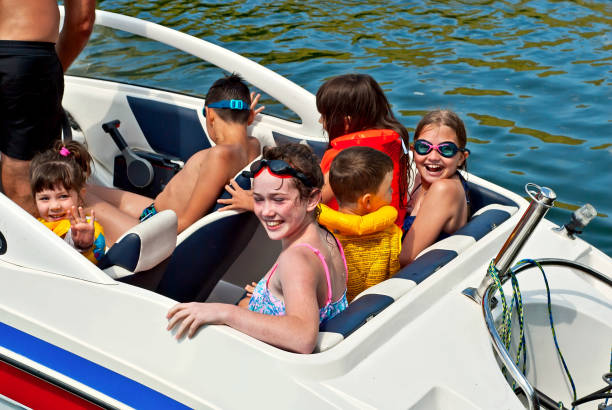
[241,199]
[254,100]
[193,315]
[82,231]
[250,288]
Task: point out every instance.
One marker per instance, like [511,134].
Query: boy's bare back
[194,190]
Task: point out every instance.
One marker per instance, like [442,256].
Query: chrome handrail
[542,200]
[500,348]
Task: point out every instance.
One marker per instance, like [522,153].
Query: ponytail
[68,164]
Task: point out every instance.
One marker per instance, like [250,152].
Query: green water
[531,79]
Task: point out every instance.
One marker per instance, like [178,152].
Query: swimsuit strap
[271,273]
[466,189]
[325,267]
[343,258]
[318,253]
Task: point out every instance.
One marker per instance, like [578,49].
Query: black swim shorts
[31,90]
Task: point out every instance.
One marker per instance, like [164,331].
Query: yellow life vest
[372,244]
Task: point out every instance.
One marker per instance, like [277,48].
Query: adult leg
[31,89]
[16,182]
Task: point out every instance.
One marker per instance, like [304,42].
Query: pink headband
[64,152]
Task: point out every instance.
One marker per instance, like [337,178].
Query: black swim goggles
[278,168]
[446,149]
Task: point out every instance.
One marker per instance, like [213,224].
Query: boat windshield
[120,56]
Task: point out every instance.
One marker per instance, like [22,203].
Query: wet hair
[302,158]
[230,87]
[357,171]
[67,164]
[449,118]
[359,97]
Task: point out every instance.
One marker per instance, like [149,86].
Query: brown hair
[230,87]
[303,159]
[357,171]
[444,117]
[359,97]
[66,163]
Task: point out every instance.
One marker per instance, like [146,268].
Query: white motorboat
[75,334]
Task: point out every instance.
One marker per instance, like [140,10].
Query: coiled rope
[505,330]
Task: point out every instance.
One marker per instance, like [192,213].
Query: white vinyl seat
[142,247]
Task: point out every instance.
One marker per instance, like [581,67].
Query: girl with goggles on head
[307,284]
[439,205]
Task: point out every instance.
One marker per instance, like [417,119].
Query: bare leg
[114,221]
[16,182]
[129,203]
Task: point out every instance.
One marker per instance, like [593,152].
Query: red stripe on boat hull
[37,393]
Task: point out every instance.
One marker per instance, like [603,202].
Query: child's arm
[296,331]
[347,224]
[326,192]
[441,204]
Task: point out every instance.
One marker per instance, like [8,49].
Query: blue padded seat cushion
[158,120]
[356,314]
[482,224]
[124,253]
[481,197]
[426,264]
[201,259]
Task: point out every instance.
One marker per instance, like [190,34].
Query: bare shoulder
[300,261]
[254,148]
[225,151]
[445,190]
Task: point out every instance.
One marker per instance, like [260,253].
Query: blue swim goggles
[231,104]
[446,149]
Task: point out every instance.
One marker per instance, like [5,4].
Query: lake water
[531,79]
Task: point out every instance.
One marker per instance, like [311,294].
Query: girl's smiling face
[278,205]
[433,166]
[53,204]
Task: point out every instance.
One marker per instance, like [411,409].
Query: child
[364,223]
[440,204]
[192,191]
[57,179]
[355,111]
[307,284]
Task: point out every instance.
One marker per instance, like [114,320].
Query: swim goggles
[446,149]
[278,168]
[231,104]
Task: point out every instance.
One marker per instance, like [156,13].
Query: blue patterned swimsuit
[265,302]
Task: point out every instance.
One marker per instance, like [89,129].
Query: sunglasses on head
[278,168]
[446,149]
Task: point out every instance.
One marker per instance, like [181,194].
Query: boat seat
[142,247]
[204,252]
[495,209]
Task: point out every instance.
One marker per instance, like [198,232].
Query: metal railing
[542,200]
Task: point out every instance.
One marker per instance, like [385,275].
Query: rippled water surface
[531,79]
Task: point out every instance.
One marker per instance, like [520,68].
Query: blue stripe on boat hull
[97,377]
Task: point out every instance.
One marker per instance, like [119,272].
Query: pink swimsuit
[265,302]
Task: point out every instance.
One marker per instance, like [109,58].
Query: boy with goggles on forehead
[192,191]
[440,204]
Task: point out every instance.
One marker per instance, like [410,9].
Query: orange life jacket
[387,141]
